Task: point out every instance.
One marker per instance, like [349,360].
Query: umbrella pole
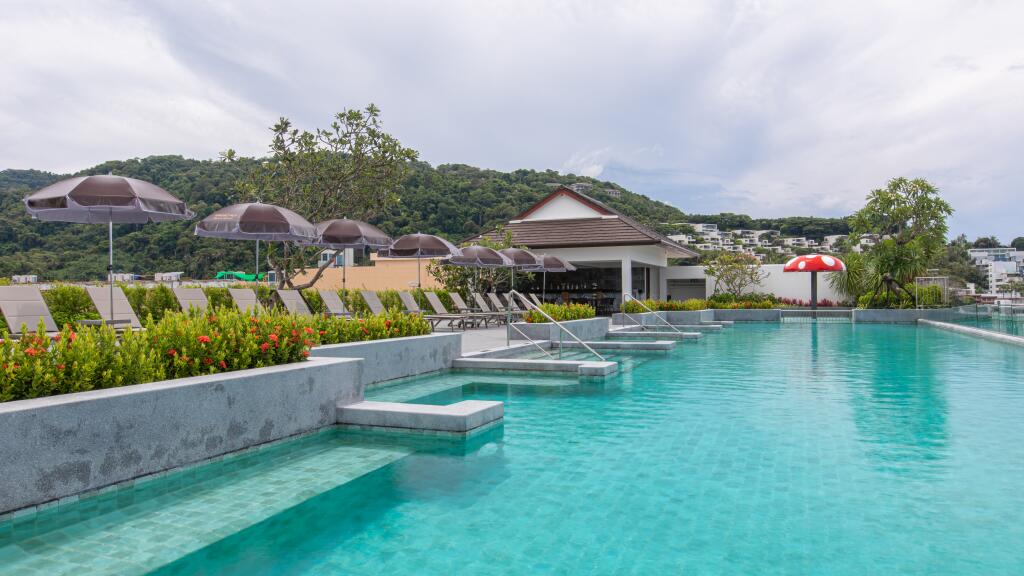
[544,288]
[814,294]
[110,262]
[257,260]
[344,268]
[417,270]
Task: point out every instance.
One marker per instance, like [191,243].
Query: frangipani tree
[909,218]
[352,169]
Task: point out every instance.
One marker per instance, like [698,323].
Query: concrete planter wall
[398,357]
[690,317]
[589,329]
[742,315]
[63,445]
[903,316]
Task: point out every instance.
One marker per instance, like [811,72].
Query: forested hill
[453,200]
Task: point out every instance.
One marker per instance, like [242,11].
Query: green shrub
[561,313]
[217,297]
[692,304]
[178,345]
[69,304]
[154,302]
[926,296]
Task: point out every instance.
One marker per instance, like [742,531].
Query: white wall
[563,207]
[795,285]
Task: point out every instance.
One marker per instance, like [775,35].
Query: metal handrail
[531,341]
[641,324]
[532,306]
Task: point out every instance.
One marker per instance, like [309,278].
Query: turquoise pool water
[765,449]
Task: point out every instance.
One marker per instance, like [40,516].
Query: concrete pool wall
[398,357]
[588,329]
[58,447]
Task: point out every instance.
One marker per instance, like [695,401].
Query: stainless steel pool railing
[562,329]
[642,326]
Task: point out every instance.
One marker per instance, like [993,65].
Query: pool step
[625,345]
[669,335]
[461,417]
[581,367]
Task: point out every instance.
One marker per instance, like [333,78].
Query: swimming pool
[767,449]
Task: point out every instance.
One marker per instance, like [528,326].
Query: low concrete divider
[588,329]
[621,345]
[660,334]
[911,316]
[580,367]
[60,446]
[460,418]
[977,332]
[398,357]
[749,315]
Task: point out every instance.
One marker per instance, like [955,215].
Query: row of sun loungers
[24,305]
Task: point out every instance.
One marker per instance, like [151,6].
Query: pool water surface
[762,449]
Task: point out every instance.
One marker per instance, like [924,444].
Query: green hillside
[452,200]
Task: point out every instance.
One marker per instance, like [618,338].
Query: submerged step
[460,417]
[666,328]
[620,345]
[581,367]
[670,335]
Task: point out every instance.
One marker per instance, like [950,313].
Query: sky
[760,107]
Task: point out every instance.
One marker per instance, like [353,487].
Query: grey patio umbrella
[548,263]
[521,259]
[343,234]
[479,257]
[256,221]
[106,199]
[476,256]
[420,245]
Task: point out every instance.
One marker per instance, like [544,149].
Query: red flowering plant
[391,324]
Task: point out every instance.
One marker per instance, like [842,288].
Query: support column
[662,283]
[627,277]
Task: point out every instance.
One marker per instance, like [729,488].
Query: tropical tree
[351,169]
[1018,243]
[909,218]
[987,242]
[735,273]
[856,280]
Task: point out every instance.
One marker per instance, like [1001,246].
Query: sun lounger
[333,303]
[245,299]
[435,320]
[373,301]
[515,305]
[191,299]
[486,317]
[293,302]
[535,299]
[25,305]
[500,307]
[471,318]
[100,296]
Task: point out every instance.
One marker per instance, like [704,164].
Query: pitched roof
[611,229]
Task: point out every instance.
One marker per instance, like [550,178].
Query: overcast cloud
[767,108]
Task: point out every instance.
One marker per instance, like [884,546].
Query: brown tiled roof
[614,230]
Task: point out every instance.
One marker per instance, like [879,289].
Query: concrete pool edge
[976,332]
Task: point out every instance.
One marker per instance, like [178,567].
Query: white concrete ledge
[508,351]
[621,345]
[667,335]
[583,368]
[667,328]
[978,332]
[459,417]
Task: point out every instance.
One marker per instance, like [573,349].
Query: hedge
[930,296]
[561,313]
[178,345]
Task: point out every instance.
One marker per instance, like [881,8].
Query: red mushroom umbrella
[814,263]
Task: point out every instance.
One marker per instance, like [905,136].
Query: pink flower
[265,346]
[204,339]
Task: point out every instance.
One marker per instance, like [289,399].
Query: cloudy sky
[761,107]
